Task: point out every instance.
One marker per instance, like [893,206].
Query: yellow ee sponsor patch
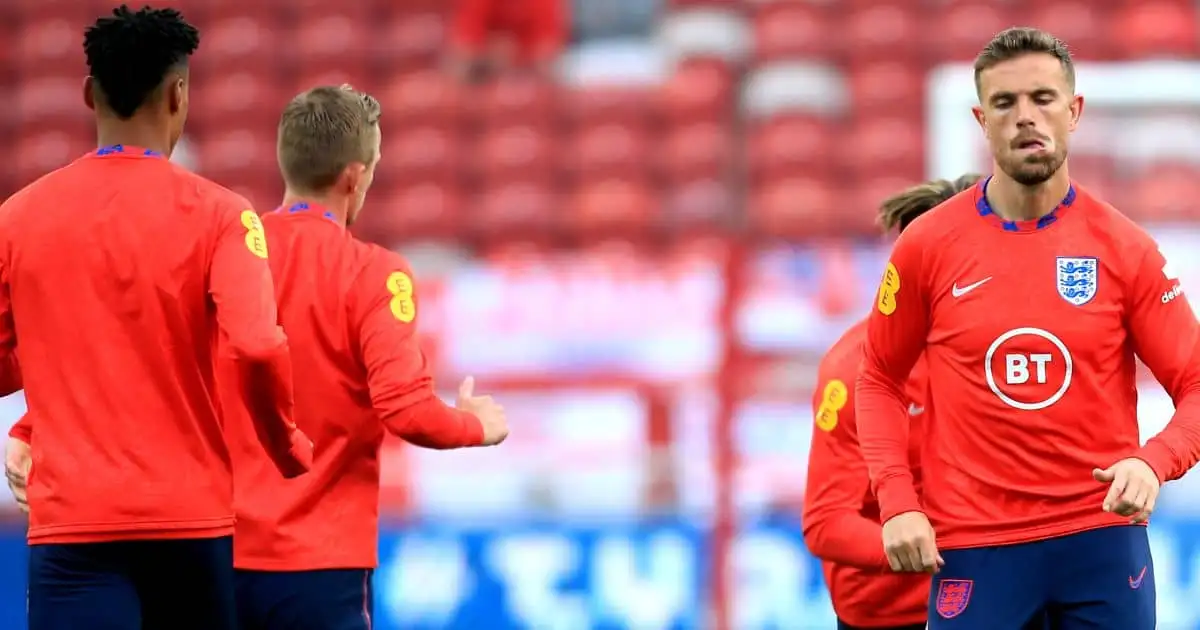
[889,286]
[833,400]
[256,237]
[402,305]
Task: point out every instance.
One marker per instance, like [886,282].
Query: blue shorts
[330,599]
[1101,579]
[182,584]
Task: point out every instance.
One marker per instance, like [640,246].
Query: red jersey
[1030,330]
[350,311]
[117,272]
[538,27]
[841,516]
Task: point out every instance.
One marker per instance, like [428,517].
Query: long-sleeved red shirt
[537,27]
[1030,331]
[350,311]
[841,516]
[118,272]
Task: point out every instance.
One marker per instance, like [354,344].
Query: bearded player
[1030,299]
[841,517]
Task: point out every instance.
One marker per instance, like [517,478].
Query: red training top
[349,309]
[538,27]
[1030,331]
[841,516]
[116,273]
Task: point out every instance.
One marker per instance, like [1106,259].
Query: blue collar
[985,210]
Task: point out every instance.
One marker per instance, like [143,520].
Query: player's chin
[1033,170]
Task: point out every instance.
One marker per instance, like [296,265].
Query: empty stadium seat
[789,145]
[793,208]
[699,88]
[604,208]
[412,211]
[696,151]
[515,152]
[607,150]
[422,97]
[416,154]
[791,30]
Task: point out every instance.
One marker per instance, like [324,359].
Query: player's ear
[980,117]
[177,95]
[1076,110]
[89,98]
[352,177]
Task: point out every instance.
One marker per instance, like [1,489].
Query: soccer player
[117,274]
[1030,299]
[305,549]
[841,517]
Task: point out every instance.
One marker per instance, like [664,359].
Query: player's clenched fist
[17,461]
[490,413]
[1134,488]
[909,542]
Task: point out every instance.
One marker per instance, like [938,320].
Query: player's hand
[18,459]
[910,545]
[490,413]
[1134,488]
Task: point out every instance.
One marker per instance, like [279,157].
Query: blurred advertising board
[619,575]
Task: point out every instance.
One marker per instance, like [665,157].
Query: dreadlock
[129,53]
[899,210]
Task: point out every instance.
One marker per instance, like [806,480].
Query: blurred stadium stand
[645,257]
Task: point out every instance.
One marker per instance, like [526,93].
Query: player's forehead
[1028,73]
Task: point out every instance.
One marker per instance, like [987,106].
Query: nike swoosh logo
[958,291]
[914,410]
[1136,583]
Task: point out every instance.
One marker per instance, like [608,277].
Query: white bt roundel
[1028,368]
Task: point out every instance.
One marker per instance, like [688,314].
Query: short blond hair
[897,211]
[321,132]
[1023,40]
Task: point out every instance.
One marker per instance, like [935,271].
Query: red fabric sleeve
[22,430]
[471,20]
[834,528]
[896,332]
[241,287]
[10,369]
[550,22]
[1166,336]
[398,376]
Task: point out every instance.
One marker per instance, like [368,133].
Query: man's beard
[1033,170]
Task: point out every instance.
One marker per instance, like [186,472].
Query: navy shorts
[182,584]
[1101,579]
[842,625]
[329,599]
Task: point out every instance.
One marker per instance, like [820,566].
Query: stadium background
[645,257]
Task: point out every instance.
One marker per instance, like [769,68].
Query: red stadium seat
[594,105]
[605,208]
[699,205]
[530,208]
[51,99]
[76,12]
[422,97]
[1158,28]
[221,97]
[608,150]
[790,145]
[49,46]
[884,146]
[516,100]
[418,154]
[789,30]
[860,215]
[1164,193]
[245,42]
[334,39]
[794,207]
[515,152]
[887,87]
[963,29]
[329,75]
[410,40]
[697,151]
[1079,23]
[419,210]
[39,152]
[233,154]
[699,89]
[888,31]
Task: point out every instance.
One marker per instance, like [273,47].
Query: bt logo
[1028,368]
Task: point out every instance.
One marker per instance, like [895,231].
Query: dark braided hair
[898,211]
[129,53]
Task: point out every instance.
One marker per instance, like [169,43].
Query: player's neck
[1013,201]
[132,133]
[338,210]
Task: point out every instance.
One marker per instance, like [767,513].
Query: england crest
[953,597]
[1077,279]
